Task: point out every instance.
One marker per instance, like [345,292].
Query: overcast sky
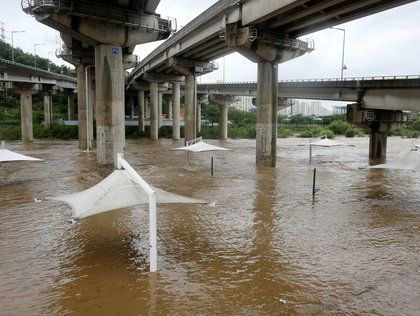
[387,43]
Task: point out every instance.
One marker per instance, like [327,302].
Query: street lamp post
[13,48]
[35,45]
[344,46]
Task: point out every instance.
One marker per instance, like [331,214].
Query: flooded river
[265,249]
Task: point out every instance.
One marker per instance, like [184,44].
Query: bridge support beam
[70,106]
[160,109]
[170,104]
[190,107]
[91,104]
[154,111]
[47,109]
[224,102]
[176,101]
[110,121]
[81,106]
[378,123]
[198,118]
[141,111]
[267,114]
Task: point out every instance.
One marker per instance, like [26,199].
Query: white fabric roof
[326,143]
[116,191]
[200,147]
[8,156]
[408,161]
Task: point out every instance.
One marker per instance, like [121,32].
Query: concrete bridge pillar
[81,106]
[154,111]
[190,107]
[267,113]
[224,102]
[91,104]
[170,109]
[378,123]
[110,122]
[26,116]
[70,106]
[176,101]
[141,110]
[160,100]
[130,102]
[198,118]
[47,109]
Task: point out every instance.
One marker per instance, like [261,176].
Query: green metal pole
[212,166]
[314,189]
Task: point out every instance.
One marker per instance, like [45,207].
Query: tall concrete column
[146,106]
[198,128]
[377,146]
[223,124]
[131,106]
[154,111]
[160,109]
[267,113]
[170,104]
[110,121]
[70,106]
[141,111]
[176,100]
[81,106]
[91,100]
[190,105]
[26,116]
[47,110]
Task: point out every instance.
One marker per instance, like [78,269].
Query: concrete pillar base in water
[176,101]
[110,121]
[377,147]
[267,114]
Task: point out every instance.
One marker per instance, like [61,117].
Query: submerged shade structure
[116,191]
[9,156]
[201,146]
[123,188]
[408,161]
[325,142]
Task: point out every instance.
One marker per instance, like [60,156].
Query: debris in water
[282,301]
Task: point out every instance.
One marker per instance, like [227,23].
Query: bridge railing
[404,77]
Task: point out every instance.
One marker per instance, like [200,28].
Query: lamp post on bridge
[344,46]
[13,48]
[35,45]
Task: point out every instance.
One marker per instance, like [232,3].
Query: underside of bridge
[101,34]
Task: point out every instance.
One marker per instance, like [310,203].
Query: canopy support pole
[151,195]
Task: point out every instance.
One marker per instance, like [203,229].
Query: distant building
[306,108]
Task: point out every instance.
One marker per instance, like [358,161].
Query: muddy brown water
[353,250]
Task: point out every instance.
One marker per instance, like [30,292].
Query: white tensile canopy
[201,146]
[323,142]
[116,191]
[407,161]
[9,156]
[123,188]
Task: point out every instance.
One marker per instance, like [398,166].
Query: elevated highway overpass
[27,81]
[265,31]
